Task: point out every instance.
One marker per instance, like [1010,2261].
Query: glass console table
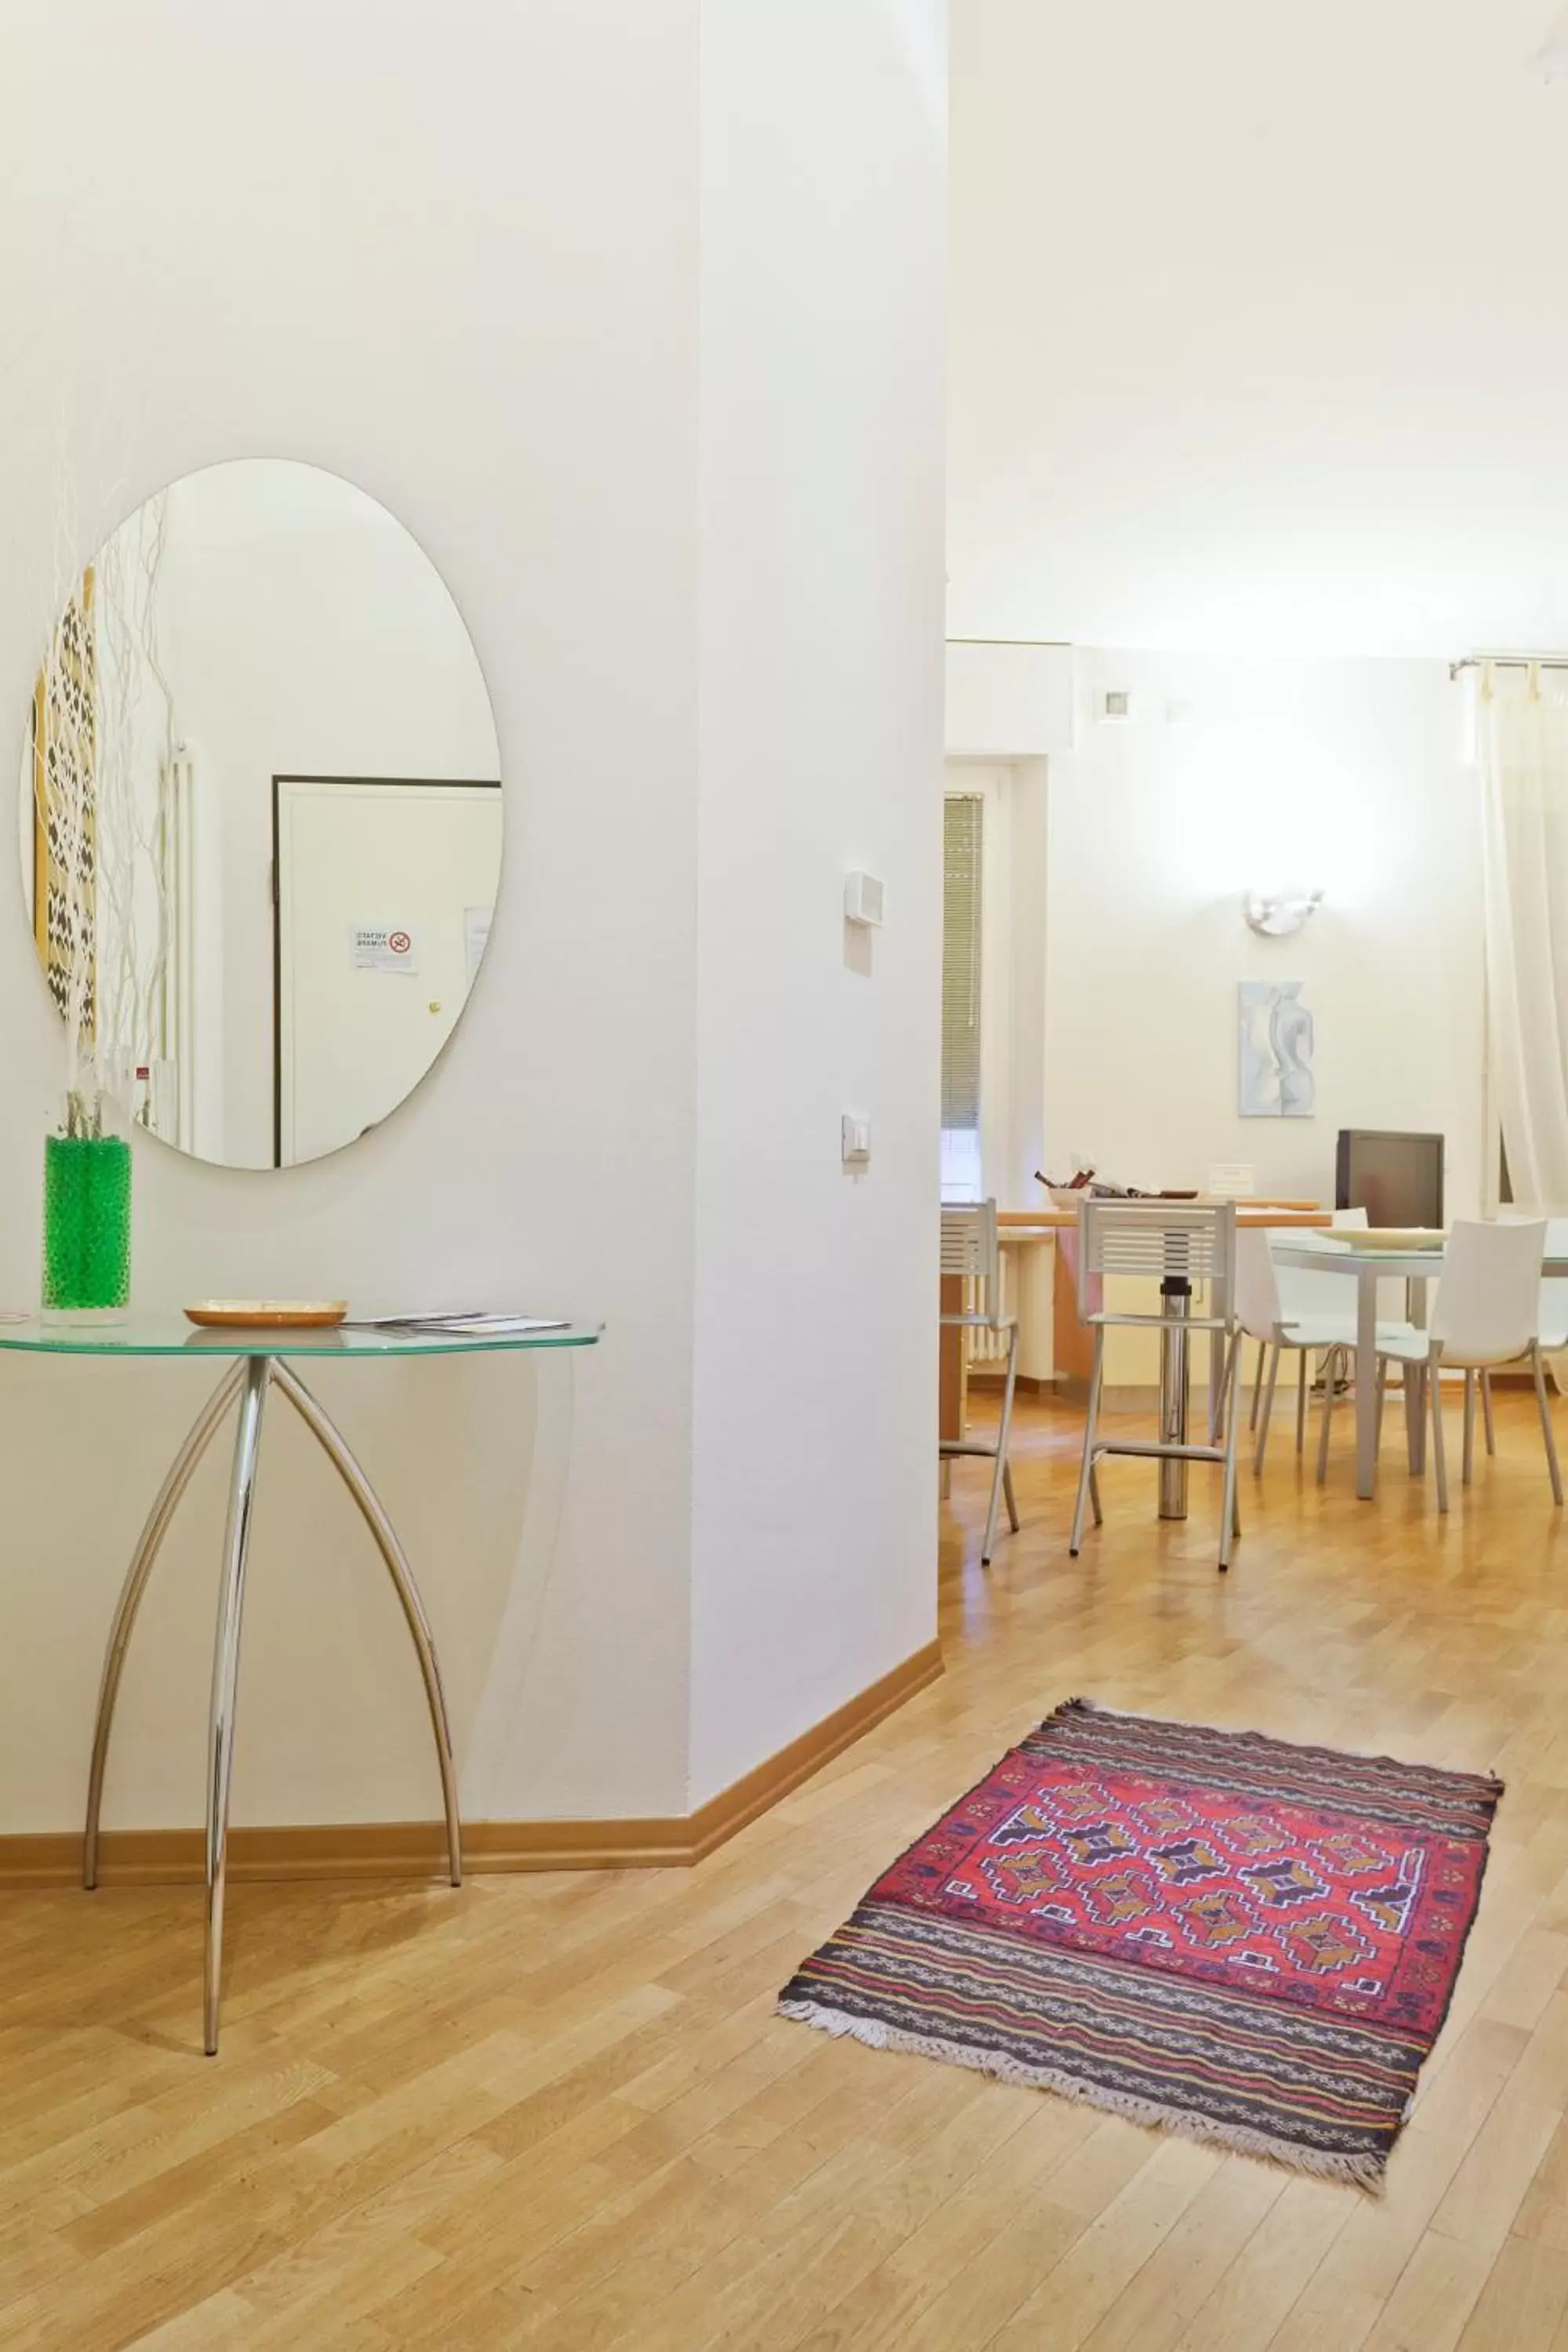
[258,1361]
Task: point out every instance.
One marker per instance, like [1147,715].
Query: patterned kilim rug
[1246,1941]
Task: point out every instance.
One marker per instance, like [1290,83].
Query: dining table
[1366,1265]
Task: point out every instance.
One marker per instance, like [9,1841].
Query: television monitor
[1396,1179]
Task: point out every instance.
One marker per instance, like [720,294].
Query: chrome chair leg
[1086,1469]
[1468,1459]
[226,1679]
[129,1601]
[1439,1460]
[1546,1431]
[1268,1413]
[1303,1366]
[1230,1422]
[1487,1412]
[1257,1382]
[326,1431]
[1003,1436]
[1331,1382]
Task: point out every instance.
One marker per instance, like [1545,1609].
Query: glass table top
[1329,1257]
[143,1333]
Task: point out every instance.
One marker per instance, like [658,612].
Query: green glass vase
[87,1223]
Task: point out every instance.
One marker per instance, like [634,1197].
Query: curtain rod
[1509,661]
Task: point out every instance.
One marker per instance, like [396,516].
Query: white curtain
[1523,742]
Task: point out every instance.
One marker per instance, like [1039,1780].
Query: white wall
[470,283]
[1236,774]
[823,173]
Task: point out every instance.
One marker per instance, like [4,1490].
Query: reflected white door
[385,893]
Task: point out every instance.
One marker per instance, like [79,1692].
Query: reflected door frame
[305,776]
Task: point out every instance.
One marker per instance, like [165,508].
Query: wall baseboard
[415,1849]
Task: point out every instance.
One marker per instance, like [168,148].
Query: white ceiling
[1259,316]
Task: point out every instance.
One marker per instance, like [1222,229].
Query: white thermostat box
[862,899]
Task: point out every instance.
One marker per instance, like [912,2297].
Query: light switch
[857,1141]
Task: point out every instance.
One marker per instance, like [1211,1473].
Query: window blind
[963,817]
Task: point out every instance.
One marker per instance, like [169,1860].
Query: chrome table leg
[250,1380]
[129,1601]
[1366,1385]
[392,1552]
[226,1676]
[1175,1304]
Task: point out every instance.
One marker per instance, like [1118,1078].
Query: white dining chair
[1487,1313]
[1553,1322]
[970,1248]
[1304,1299]
[1553,1333]
[1284,1309]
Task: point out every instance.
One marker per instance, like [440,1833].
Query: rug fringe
[1254,1731]
[1367,2172]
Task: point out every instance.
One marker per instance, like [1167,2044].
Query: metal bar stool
[1180,1246]
[970,1248]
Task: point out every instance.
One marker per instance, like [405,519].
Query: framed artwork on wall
[1275,1042]
[65,760]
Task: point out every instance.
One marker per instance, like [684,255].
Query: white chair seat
[1338,1331]
[1415,1347]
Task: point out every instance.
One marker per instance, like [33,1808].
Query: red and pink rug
[1246,1941]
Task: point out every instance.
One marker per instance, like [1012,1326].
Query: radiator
[985,1349]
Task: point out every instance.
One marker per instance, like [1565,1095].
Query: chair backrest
[1258,1309]
[1304,1296]
[1489,1301]
[1158,1239]
[1554,1290]
[969,1247]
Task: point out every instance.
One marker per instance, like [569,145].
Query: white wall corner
[1008,700]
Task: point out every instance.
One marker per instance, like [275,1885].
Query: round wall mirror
[261,813]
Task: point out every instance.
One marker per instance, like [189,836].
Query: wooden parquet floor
[557,2112]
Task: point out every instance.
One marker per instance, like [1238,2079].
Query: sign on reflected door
[385,892]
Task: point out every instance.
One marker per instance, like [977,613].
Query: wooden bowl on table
[267,1314]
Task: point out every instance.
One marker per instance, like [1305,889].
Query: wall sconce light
[1551,61]
[1277,913]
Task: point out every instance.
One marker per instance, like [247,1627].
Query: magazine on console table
[476,1323]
